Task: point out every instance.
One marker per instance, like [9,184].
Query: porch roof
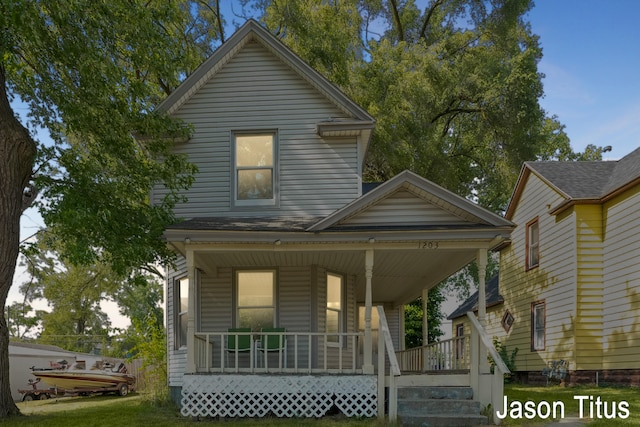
[420,234]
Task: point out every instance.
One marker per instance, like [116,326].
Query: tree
[90,73]
[413,315]
[453,85]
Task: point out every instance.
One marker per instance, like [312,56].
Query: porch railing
[446,355]
[297,352]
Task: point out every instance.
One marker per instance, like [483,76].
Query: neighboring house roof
[493,297]
[33,346]
[581,181]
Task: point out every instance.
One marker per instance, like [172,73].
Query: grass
[567,395]
[136,410]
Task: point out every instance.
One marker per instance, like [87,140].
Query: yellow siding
[588,324]
[621,308]
[553,280]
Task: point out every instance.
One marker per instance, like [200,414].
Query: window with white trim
[538,326]
[181,295]
[533,244]
[254,169]
[335,307]
[256,307]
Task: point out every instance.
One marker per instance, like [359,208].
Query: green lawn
[568,397]
[134,410]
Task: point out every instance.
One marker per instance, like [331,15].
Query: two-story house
[570,278]
[285,254]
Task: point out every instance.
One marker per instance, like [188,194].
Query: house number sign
[428,244]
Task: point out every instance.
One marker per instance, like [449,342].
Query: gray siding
[257,91]
[177,358]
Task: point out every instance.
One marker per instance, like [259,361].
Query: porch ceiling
[399,275]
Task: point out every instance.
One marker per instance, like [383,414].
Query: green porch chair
[238,340]
[275,341]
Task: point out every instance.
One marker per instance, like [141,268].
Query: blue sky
[591,62]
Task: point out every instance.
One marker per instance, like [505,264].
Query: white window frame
[179,336]
[538,333]
[238,307]
[340,311]
[533,244]
[273,168]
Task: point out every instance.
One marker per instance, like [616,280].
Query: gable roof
[452,208]
[493,297]
[252,30]
[594,181]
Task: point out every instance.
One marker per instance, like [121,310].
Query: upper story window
[255,169]
[533,244]
[335,307]
[182,306]
[256,308]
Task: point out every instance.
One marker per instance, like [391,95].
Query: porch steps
[438,406]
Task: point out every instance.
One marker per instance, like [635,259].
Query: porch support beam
[425,321]
[367,367]
[191,313]
[481,260]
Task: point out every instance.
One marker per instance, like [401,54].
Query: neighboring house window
[533,244]
[460,341]
[256,299]
[182,306]
[335,307]
[254,169]
[507,321]
[538,325]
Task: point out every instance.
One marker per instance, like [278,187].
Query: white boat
[76,377]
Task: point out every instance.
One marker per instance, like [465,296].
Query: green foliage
[413,315]
[509,358]
[151,348]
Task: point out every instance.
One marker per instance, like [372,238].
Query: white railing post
[490,388]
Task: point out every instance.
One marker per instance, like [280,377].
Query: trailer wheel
[123,389]
[28,397]
[44,396]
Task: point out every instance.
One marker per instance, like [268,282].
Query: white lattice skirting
[282,395]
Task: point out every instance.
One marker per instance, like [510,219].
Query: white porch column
[425,321]
[367,366]
[482,291]
[191,313]
[482,307]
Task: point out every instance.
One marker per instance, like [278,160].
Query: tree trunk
[17,156]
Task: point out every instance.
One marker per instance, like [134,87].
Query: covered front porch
[306,366]
[307,314]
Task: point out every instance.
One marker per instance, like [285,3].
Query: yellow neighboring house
[570,277]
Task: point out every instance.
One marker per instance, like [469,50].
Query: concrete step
[459,393]
[438,406]
[443,420]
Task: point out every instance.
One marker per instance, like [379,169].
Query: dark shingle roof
[246,224]
[493,297]
[590,180]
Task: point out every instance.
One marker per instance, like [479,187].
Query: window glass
[538,322]
[182,296]
[255,296]
[533,243]
[334,307]
[254,165]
